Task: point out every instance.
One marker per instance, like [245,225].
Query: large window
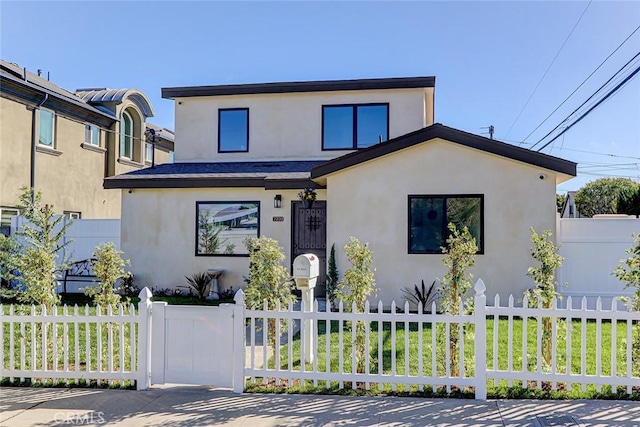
[349,127]
[430,215]
[221,227]
[126,136]
[47,128]
[233,130]
[92,134]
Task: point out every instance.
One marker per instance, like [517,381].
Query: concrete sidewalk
[199,406]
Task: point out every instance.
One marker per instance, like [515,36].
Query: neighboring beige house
[384,172]
[64,144]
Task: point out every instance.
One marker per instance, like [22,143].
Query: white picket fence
[403,351]
[426,360]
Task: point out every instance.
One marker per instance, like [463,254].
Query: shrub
[108,268]
[199,282]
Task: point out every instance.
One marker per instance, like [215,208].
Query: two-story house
[384,173]
[64,144]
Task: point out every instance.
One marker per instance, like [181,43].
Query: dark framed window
[429,216]
[233,130]
[221,227]
[350,127]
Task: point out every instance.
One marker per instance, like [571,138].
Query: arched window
[126,136]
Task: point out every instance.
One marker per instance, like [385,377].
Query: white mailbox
[306,270]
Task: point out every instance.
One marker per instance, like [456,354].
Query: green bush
[108,268]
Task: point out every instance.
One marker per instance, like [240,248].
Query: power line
[585,102]
[583,82]
[611,92]
[548,68]
[579,151]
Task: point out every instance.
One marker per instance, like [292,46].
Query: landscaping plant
[629,272]
[199,283]
[545,252]
[423,296]
[269,281]
[358,283]
[460,254]
[108,268]
[332,275]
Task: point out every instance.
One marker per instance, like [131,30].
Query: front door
[309,235]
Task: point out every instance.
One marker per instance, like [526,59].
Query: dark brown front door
[309,235]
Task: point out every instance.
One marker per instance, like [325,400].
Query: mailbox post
[305,273]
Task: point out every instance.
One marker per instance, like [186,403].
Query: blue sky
[487,58]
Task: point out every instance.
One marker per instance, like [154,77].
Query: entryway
[309,235]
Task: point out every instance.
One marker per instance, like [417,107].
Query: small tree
[545,252]
[332,275]
[37,258]
[108,268]
[460,256]
[631,276]
[358,283]
[269,281]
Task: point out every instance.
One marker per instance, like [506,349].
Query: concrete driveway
[200,406]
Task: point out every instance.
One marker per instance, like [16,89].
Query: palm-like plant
[424,295]
[199,283]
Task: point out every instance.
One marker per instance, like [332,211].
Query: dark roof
[29,87]
[266,174]
[290,87]
[450,134]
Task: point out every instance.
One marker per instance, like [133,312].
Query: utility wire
[585,102]
[583,82]
[548,68]
[611,92]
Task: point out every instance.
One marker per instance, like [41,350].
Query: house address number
[278,219]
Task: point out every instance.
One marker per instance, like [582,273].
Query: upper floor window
[126,136]
[233,130]
[92,135]
[350,127]
[148,152]
[47,128]
[429,217]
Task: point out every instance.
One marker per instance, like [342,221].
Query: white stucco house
[383,170]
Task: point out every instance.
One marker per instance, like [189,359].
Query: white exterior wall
[161,246]
[370,202]
[592,248]
[288,126]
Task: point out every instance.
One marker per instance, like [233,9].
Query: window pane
[465,212]
[95,135]
[337,131]
[46,128]
[5,220]
[126,137]
[233,132]
[148,152]
[427,224]
[87,133]
[222,227]
[372,124]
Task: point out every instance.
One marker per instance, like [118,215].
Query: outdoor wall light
[277,201]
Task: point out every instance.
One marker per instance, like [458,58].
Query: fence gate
[192,344]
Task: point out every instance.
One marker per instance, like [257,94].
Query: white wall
[159,233]
[592,248]
[287,126]
[370,202]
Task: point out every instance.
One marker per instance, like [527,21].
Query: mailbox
[306,270]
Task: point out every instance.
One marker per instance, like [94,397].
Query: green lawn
[391,357]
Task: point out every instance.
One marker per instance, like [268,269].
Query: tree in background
[602,195]
[629,203]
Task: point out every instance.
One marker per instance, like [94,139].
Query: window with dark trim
[222,227]
[350,127]
[233,130]
[429,216]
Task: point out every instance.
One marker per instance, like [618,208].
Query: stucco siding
[15,153]
[284,126]
[158,233]
[370,201]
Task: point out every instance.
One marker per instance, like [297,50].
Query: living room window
[126,136]
[47,128]
[429,216]
[233,130]
[222,227]
[350,127]
[92,135]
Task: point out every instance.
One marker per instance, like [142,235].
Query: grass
[391,357]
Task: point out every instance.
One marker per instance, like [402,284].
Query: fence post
[480,321]
[144,339]
[238,342]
